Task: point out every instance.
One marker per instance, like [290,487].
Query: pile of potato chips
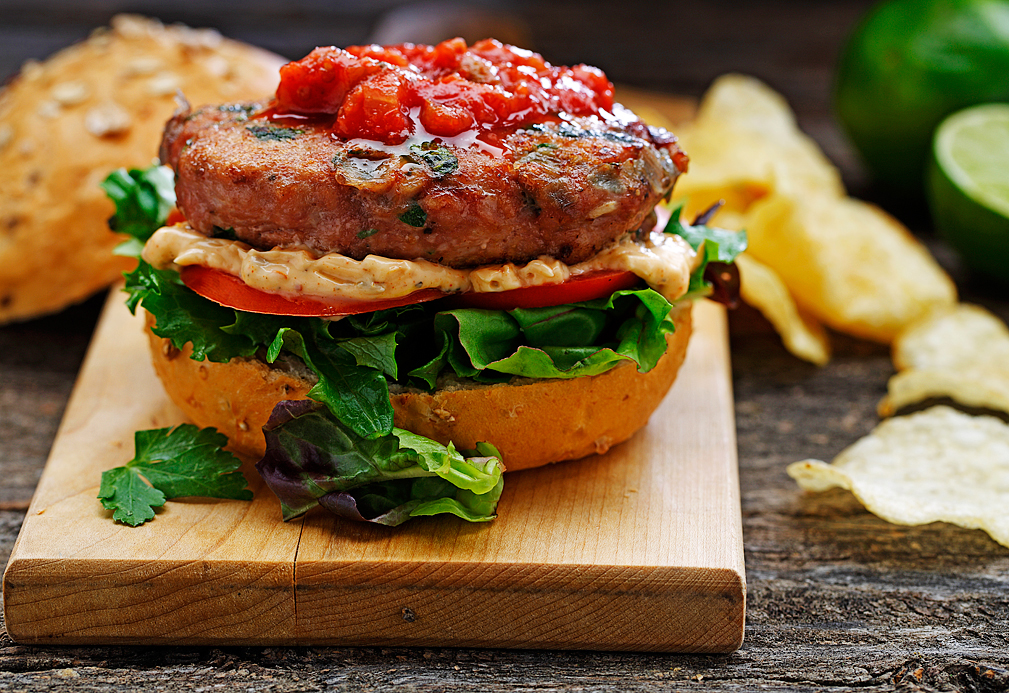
[818,258]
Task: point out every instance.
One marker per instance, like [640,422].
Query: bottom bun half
[531,422]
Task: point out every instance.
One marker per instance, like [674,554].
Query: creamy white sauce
[663,261]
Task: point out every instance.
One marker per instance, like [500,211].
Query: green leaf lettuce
[312,459]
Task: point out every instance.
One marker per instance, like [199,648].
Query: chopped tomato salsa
[384,92]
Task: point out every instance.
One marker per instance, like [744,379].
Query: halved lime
[968,186]
[908,65]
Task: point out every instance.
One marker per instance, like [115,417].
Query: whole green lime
[910,63]
[968,186]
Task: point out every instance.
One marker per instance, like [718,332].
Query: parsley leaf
[273,133]
[415,216]
[440,160]
[171,463]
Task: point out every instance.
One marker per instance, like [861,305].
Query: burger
[414,267]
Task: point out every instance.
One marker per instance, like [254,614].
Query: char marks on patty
[563,187]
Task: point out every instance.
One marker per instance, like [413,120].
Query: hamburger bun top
[67,122]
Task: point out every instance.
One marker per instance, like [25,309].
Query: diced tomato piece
[454,104]
[319,82]
[446,119]
[388,54]
[438,61]
[499,105]
[573,96]
[378,108]
[597,83]
[447,55]
[501,54]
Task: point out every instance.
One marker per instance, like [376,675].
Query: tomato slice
[583,287]
[228,290]
[174,217]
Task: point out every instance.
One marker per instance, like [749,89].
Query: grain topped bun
[67,122]
[532,422]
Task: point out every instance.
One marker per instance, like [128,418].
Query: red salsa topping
[384,92]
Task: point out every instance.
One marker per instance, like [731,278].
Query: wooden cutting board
[639,549]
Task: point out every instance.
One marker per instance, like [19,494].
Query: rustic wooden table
[837,599]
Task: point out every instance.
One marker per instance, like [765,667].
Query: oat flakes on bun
[67,121]
[414,267]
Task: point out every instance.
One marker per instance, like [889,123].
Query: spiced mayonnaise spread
[663,261]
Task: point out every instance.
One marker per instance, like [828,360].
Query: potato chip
[939,465]
[971,387]
[745,144]
[961,353]
[847,263]
[761,288]
[963,335]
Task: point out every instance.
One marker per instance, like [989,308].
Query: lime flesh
[968,186]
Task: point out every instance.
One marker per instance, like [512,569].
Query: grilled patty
[563,188]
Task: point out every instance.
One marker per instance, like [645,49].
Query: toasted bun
[532,422]
[89,109]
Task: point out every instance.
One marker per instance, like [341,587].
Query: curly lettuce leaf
[716,276]
[354,392]
[143,199]
[351,371]
[377,352]
[185,317]
[727,244]
[171,463]
[312,458]
[570,341]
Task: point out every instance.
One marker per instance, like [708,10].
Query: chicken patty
[564,189]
